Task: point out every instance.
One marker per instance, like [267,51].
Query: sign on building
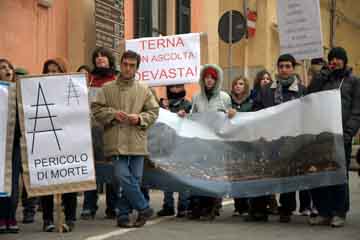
[300,28]
[168,60]
[109,24]
[55,122]
[7,124]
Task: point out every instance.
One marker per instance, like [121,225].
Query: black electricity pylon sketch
[47,116]
[72,92]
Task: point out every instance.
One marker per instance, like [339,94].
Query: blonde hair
[246,83]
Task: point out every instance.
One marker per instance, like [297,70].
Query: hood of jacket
[219,81]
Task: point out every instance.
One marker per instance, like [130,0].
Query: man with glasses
[287,86]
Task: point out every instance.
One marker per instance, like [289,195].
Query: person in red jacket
[104,71]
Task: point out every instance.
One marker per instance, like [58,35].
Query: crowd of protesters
[123,109]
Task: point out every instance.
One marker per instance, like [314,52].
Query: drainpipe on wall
[332,22]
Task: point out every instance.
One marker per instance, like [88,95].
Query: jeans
[334,200]
[127,174]
[183,201]
[8,205]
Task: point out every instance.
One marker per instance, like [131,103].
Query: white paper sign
[300,28]
[57,129]
[168,60]
[4,99]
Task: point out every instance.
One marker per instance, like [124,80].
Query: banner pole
[59,213]
[305,74]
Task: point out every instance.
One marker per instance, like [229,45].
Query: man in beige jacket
[127,108]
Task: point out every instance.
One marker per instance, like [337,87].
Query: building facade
[32,33]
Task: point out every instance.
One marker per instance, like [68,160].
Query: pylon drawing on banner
[72,92]
[45,104]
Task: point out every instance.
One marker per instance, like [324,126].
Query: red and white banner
[251,23]
[168,60]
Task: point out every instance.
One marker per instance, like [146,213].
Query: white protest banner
[300,28]
[208,154]
[168,60]
[7,124]
[55,123]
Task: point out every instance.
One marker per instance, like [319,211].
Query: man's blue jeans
[128,171]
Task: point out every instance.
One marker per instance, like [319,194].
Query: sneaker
[181,214]
[166,212]
[256,217]
[319,221]
[305,212]
[143,216]
[87,214]
[337,221]
[12,226]
[48,226]
[28,218]
[3,227]
[124,223]
[68,226]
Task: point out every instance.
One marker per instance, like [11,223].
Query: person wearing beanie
[177,103]
[285,87]
[69,200]
[332,202]
[104,71]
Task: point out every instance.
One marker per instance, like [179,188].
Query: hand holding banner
[57,147]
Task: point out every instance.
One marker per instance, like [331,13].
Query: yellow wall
[348,33]
[263,49]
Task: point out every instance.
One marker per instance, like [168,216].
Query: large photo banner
[55,122]
[300,28]
[7,125]
[168,60]
[293,146]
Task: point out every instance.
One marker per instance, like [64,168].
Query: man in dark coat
[287,86]
[332,202]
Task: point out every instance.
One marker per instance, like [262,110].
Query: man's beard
[127,78]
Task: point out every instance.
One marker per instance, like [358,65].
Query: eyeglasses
[288,66]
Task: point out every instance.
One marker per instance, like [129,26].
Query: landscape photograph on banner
[292,146]
[55,122]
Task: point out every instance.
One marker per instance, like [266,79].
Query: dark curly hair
[259,76]
[107,53]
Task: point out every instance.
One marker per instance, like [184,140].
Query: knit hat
[21,71]
[210,71]
[339,53]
